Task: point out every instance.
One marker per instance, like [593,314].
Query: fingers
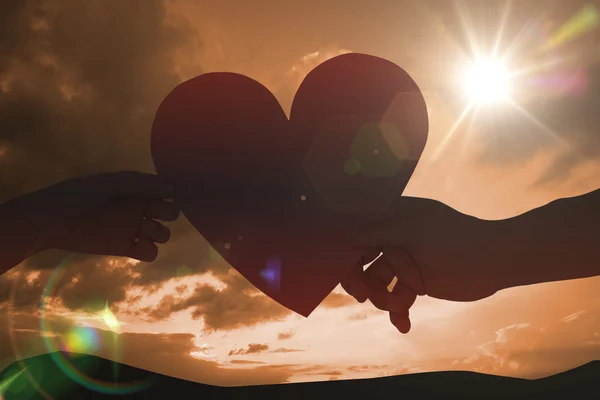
[378,277]
[154,231]
[401,322]
[374,283]
[144,250]
[354,283]
[137,184]
[162,210]
[405,293]
[404,268]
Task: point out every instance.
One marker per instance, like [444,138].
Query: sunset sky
[80,83]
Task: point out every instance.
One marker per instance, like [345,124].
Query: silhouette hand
[107,214]
[431,249]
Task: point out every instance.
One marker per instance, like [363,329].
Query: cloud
[253,348]
[333,373]
[285,350]
[366,368]
[285,335]
[87,283]
[257,348]
[246,362]
[363,315]
[83,282]
[534,350]
[239,304]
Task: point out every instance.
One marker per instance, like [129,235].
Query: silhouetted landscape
[578,383]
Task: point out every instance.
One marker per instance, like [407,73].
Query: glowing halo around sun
[502,79]
[487,81]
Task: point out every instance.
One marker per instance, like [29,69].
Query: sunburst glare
[502,78]
[487,81]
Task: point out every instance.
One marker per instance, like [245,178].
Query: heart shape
[274,195]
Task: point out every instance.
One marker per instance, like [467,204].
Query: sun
[486,81]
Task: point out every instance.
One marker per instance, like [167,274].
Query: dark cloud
[79,87]
[239,304]
[88,283]
[365,368]
[82,284]
[81,84]
[253,348]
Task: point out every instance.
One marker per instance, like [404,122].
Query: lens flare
[5,385]
[584,21]
[272,273]
[81,338]
[110,320]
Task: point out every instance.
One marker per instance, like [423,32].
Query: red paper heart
[274,196]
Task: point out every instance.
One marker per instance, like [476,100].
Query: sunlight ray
[503,20]
[467,26]
[541,126]
[536,68]
[518,39]
[468,134]
[451,132]
[442,29]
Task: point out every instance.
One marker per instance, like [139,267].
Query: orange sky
[211,326]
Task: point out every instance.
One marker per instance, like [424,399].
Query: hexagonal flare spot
[371,151]
[352,165]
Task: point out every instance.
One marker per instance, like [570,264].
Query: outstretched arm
[435,250]
[556,242]
[108,214]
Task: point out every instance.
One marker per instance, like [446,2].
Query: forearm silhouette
[107,214]
[435,250]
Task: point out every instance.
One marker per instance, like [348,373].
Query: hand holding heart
[431,249]
[274,196]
